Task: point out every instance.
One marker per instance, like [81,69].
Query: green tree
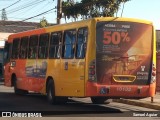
[43,23]
[91,8]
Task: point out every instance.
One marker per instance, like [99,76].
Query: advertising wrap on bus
[123,52]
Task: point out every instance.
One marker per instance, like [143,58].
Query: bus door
[7,63]
[73,62]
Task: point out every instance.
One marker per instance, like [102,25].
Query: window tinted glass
[43,46]
[69,44]
[23,47]
[81,42]
[55,45]
[33,45]
[15,48]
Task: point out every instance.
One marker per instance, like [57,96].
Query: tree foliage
[90,8]
[43,23]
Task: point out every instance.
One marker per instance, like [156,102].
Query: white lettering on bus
[124,89]
[110,25]
[125,26]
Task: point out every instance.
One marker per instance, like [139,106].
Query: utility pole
[59,11]
[122,9]
[4,15]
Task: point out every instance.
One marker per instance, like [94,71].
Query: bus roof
[123,19]
[72,25]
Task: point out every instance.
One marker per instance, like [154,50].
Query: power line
[12,4]
[38,14]
[29,4]
[31,8]
[4,15]
[32,18]
[25,6]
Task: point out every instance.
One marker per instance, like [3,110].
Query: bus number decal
[115,37]
[124,89]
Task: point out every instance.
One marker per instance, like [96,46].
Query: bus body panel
[72,76]
[20,64]
[68,74]
[117,91]
[112,88]
[7,75]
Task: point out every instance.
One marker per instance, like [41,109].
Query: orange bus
[100,58]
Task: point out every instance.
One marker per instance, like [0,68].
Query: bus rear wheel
[52,99]
[51,92]
[99,100]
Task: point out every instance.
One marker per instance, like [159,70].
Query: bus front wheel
[16,90]
[99,100]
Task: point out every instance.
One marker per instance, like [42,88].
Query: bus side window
[55,45]
[33,47]
[68,47]
[43,46]
[81,43]
[23,48]
[15,48]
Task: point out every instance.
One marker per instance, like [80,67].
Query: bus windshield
[123,52]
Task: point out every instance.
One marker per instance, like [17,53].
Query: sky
[142,9]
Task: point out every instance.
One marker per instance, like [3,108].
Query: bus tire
[16,90]
[51,92]
[99,100]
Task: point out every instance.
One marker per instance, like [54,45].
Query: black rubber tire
[52,99]
[51,92]
[99,100]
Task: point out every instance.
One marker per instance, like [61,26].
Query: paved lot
[76,107]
